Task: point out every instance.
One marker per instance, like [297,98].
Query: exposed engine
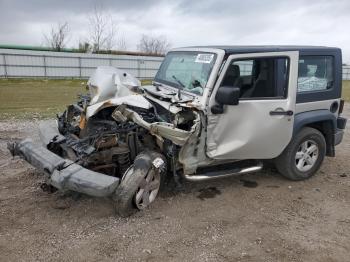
[102,135]
[101,143]
[108,142]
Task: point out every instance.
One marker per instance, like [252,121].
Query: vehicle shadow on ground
[202,190]
[213,188]
[268,177]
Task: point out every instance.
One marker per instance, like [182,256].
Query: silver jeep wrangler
[211,112]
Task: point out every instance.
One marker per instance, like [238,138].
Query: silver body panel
[317,105]
[247,130]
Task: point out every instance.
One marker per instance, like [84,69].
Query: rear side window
[315,73]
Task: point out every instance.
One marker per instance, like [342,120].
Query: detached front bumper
[63,173]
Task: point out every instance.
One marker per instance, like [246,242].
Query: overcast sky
[186,23]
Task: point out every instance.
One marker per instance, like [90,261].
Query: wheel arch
[322,120]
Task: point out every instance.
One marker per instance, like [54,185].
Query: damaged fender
[161,129]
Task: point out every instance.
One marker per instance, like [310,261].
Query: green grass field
[346,90]
[28,98]
[24,98]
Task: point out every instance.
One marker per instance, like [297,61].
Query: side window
[259,78]
[315,73]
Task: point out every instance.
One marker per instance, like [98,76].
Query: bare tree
[156,45]
[110,36]
[58,36]
[121,43]
[84,47]
[103,30]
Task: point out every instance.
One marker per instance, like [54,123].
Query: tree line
[103,36]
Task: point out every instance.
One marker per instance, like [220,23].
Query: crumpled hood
[135,100]
[110,86]
[108,82]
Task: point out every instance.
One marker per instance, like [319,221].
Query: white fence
[27,63]
[346,72]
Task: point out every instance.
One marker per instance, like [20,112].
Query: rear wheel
[303,156]
[140,184]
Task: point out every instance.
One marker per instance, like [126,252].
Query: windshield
[186,70]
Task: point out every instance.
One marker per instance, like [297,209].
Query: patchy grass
[346,90]
[26,98]
[35,98]
[38,98]
[146,82]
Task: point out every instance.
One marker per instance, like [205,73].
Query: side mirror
[226,95]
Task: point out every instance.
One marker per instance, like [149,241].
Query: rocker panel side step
[220,172]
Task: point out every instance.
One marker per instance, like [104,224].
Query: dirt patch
[278,220]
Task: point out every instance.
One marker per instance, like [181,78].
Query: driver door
[261,125]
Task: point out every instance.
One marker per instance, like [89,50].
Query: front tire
[303,156]
[140,184]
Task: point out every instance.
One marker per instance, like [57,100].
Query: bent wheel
[148,189]
[140,185]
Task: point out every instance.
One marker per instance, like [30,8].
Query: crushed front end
[93,145]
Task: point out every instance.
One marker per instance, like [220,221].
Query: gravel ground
[266,218]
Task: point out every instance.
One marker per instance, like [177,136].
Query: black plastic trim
[334,107]
[324,121]
[281,113]
[338,137]
[341,122]
[309,117]
[341,106]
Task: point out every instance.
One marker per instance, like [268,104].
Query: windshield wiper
[179,90]
[157,85]
[178,81]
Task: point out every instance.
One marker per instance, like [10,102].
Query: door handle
[281,113]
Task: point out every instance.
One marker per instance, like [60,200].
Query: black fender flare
[323,120]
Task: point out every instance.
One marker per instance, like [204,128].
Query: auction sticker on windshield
[204,58]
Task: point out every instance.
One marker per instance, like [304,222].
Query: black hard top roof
[270,48]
